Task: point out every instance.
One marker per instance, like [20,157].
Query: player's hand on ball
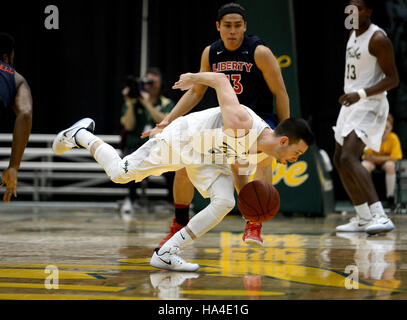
[185,82]
[9,179]
[349,99]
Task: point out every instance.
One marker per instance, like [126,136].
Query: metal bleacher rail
[76,172]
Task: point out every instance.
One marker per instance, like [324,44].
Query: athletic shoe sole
[90,127]
[254,242]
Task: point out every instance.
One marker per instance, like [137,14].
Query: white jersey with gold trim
[362,69]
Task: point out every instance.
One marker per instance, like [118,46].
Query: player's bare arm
[187,102]
[381,47]
[268,64]
[22,129]
[234,115]
[191,98]
[240,180]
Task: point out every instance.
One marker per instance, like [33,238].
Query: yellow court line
[233,292]
[78,266]
[40,274]
[17,296]
[60,287]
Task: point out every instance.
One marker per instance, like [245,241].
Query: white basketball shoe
[380,224]
[65,140]
[169,260]
[356,224]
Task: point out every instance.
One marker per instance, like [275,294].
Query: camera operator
[144,107]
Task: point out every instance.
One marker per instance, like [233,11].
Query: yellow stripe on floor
[60,287]
[16,296]
[233,293]
[79,266]
[40,274]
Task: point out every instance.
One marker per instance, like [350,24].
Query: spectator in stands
[14,93]
[139,114]
[390,152]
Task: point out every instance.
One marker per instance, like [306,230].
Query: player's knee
[347,160]
[118,174]
[223,204]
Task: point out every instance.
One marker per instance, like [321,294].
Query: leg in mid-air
[149,159]
[357,181]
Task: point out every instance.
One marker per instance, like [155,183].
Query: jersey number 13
[351,72]
[236,84]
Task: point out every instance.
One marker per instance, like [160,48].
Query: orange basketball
[258,201]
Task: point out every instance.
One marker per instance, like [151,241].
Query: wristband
[362,93]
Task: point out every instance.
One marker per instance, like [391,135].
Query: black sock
[182,214]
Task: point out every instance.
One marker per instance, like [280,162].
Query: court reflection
[375,258]
[288,258]
[167,284]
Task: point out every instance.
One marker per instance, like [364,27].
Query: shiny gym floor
[61,254]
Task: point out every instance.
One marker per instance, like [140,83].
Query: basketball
[258,201]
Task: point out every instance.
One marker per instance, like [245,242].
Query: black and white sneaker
[169,260]
[380,224]
[65,140]
[356,224]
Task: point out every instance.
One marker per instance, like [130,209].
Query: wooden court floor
[51,254]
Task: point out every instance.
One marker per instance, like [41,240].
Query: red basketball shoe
[252,234]
[174,228]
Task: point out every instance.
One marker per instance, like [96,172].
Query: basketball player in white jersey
[369,73]
[215,180]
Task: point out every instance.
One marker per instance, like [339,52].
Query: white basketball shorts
[367,118]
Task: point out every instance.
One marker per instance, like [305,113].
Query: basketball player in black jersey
[255,76]
[14,93]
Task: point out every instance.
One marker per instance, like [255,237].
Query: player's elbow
[221,79]
[25,115]
[393,80]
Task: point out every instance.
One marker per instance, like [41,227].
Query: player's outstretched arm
[234,115]
[22,129]
[191,98]
[187,102]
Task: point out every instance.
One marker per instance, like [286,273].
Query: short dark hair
[6,44]
[295,129]
[371,4]
[231,8]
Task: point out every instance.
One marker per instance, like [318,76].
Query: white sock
[86,138]
[180,240]
[390,184]
[363,211]
[377,209]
